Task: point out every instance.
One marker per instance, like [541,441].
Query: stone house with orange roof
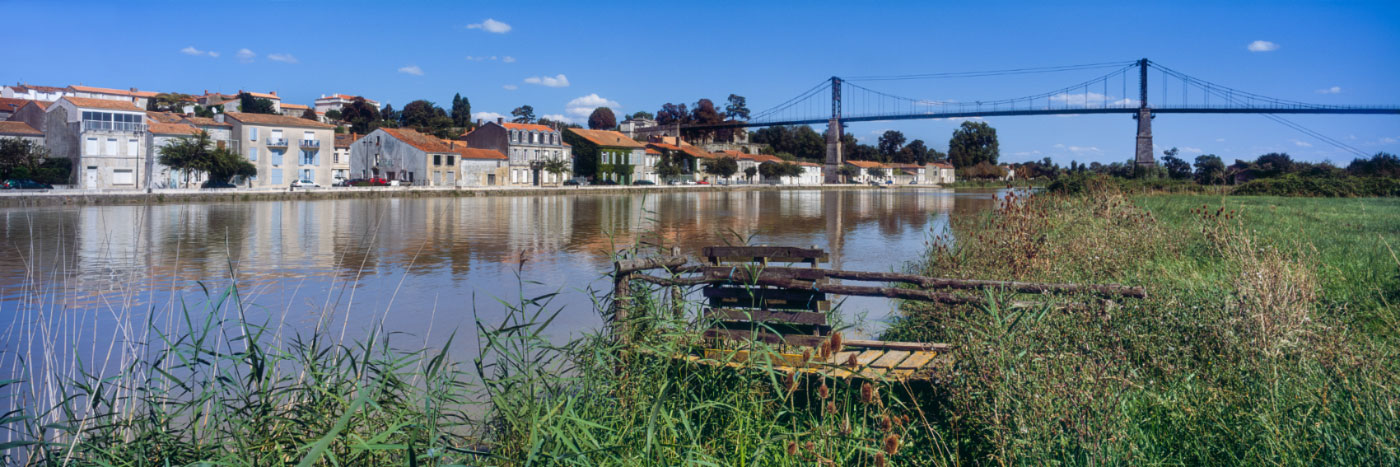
[105,139]
[527,145]
[139,98]
[614,156]
[284,149]
[413,158]
[871,171]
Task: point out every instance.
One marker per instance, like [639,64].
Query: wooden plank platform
[871,363]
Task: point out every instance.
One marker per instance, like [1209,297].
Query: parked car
[305,184]
[605,182]
[367,182]
[572,182]
[689,182]
[24,184]
[214,184]
[702,182]
[643,182]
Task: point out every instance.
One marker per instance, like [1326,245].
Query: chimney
[478,123]
[500,120]
[206,92]
[274,93]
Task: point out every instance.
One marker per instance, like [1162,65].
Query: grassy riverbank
[1269,334]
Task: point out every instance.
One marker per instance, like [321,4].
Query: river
[423,266]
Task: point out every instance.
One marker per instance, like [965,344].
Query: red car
[702,182]
[367,182]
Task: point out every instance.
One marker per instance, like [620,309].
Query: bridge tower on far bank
[833,136]
[1144,116]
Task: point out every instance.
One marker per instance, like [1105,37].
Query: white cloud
[1262,46]
[582,107]
[284,58]
[491,25]
[1302,144]
[1331,90]
[245,55]
[1078,149]
[508,59]
[510,87]
[1026,153]
[551,81]
[1091,99]
[412,70]
[193,51]
[558,118]
[488,116]
[1191,150]
[1389,140]
[1220,140]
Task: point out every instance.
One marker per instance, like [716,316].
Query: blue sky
[565,57]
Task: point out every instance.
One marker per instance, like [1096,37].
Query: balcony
[99,125]
[276,143]
[310,144]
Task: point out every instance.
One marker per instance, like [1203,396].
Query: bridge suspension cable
[978,74]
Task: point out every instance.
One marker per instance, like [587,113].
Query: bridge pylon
[833,136]
[1143,155]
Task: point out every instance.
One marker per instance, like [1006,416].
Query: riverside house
[413,158]
[617,157]
[868,171]
[284,149]
[528,146]
[340,158]
[104,138]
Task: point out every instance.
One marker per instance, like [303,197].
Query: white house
[104,137]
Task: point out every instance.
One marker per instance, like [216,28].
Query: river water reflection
[426,266]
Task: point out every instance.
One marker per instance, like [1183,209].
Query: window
[437,159]
[308,157]
[253,154]
[276,157]
[275,136]
[253,133]
[450,159]
[307,175]
[308,136]
[131,147]
[452,177]
[123,177]
[276,175]
[111,149]
[91,147]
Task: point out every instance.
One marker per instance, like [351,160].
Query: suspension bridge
[1179,94]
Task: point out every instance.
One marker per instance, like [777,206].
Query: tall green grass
[1266,336]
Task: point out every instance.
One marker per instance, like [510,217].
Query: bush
[1332,187]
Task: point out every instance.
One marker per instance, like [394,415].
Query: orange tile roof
[477,153]
[10,104]
[344,140]
[808,164]
[93,103]
[277,120]
[163,117]
[27,87]
[206,121]
[42,105]
[425,143]
[685,148]
[348,98]
[263,95]
[172,129]
[867,164]
[18,128]
[526,126]
[653,151]
[294,106]
[607,138]
[943,165]
[94,89]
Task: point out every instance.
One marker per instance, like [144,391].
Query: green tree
[199,154]
[333,115]
[737,108]
[671,114]
[168,102]
[704,113]
[670,167]
[20,158]
[1210,170]
[973,143]
[1380,165]
[723,167]
[427,118]
[461,112]
[360,115]
[642,114]
[876,172]
[914,153]
[202,111]
[254,105]
[848,171]
[310,114]
[749,172]
[1176,168]
[523,114]
[557,167]
[890,143]
[602,118]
